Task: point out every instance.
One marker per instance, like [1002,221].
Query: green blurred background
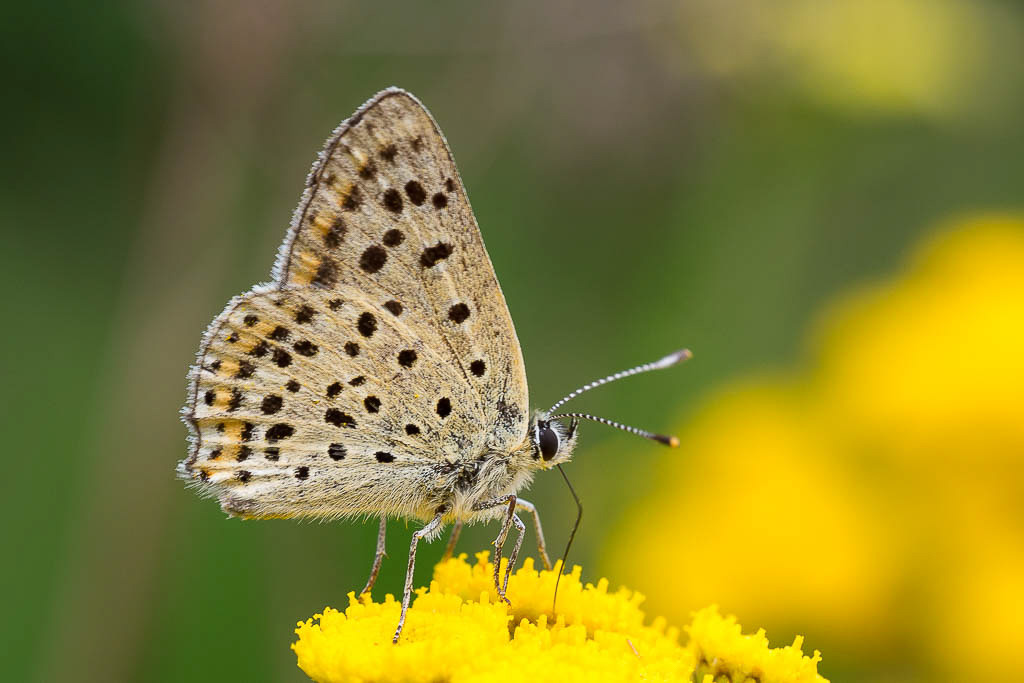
[646,176]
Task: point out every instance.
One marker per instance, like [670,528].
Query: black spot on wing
[335,234]
[431,255]
[339,419]
[304,314]
[367,324]
[353,199]
[279,431]
[260,349]
[282,358]
[271,404]
[392,200]
[415,192]
[246,432]
[373,259]
[326,273]
[458,313]
[305,348]
[368,170]
[444,407]
[393,237]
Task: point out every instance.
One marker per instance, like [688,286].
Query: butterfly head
[552,441]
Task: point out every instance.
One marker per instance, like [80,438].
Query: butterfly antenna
[660,438]
[666,362]
[572,535]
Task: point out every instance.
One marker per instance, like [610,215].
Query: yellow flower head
[874,496]
[456,631]
[721,649]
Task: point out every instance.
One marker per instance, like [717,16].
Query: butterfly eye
[548,441]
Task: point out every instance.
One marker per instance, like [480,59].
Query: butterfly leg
[378,558]
[431,526]
[452,540]
[513,556]
[499,543]
[541,545]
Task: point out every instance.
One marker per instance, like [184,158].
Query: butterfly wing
[383,354]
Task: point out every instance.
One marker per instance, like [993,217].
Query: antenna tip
[674,358]
[670,441]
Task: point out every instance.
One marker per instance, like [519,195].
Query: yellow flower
[457,632]
[877,497]
[935,363]
[720,648]
[772,522]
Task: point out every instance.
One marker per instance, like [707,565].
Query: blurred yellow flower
[456,632]
[954,330]
[747,518]
[876,500]
[930,57]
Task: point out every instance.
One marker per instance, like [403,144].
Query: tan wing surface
[386,213]
[382,353]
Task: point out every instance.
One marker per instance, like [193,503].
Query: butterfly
[379,373]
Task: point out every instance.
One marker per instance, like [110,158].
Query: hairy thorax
[461,485]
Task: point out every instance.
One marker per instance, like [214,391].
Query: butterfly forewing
[383,350]
[386,212]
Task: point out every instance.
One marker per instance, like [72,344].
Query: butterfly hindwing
[302,407]
[382,354]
